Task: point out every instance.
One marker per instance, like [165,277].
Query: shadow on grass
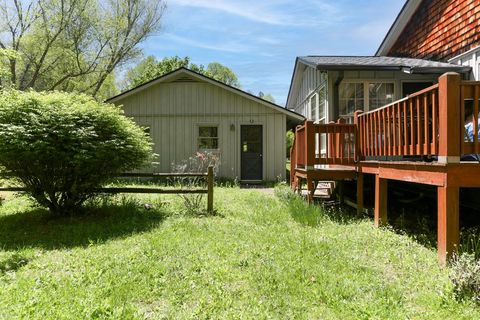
[13,263]
[37,228]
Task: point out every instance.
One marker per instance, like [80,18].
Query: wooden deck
[428,124]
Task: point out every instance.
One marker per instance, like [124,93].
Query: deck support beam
[359,193]
[341,191]
[448,222]
[310,190]
[380,201]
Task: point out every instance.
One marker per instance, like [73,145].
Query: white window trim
[197,136]
[366,93]
[313,97]
[316,95]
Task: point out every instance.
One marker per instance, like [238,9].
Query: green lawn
[260,257]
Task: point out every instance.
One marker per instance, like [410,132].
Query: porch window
[207,137]
[364,95]
[351,98]
[318,105]
[380,94]
[314,107]
[322,104]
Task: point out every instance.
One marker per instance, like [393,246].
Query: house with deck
[398,115]
[186,112]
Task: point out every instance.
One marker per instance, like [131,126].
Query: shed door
[251,152]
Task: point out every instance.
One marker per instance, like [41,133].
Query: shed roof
[380,63]
[178,73]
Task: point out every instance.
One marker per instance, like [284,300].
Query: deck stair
[324,191]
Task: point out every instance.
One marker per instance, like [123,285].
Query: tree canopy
[151,68]
[266,96]
[72,45]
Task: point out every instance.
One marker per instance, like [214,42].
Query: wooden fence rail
[208,176]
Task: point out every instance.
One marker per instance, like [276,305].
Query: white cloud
[269,12]
[231,46]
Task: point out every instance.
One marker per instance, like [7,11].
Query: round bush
[64,146]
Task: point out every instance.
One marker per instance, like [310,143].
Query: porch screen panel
[322,96]
[351,99]
[380,94]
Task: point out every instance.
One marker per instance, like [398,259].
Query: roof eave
[459,69]
[357,67]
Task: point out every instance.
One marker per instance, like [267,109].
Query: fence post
[210,189]
[449,114]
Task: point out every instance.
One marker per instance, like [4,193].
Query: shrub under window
[63,146]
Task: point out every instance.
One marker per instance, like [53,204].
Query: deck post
[341,192]
[309,145]
[380,201]
[359,193]
[449,118]
[210,189]
[448,222]
[340,141]
[358,138]
[310,190]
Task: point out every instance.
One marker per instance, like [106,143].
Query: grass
[261,257]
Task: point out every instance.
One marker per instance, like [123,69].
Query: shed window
[208,137]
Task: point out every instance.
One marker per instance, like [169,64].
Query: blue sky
[259,39]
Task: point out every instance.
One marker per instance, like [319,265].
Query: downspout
[336,95]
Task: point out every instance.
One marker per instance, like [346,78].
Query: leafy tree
[63,146]
[267,97]
[73,45]
[150,68]
[5,56]
[223,74]
[290,138]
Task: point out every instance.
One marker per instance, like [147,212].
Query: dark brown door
[251,152]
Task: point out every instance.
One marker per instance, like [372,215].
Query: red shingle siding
[440,30]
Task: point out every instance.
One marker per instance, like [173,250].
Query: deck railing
[407,127]
[320,144]
[429,123]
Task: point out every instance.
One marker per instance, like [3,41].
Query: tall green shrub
[290,138]
[64,146]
